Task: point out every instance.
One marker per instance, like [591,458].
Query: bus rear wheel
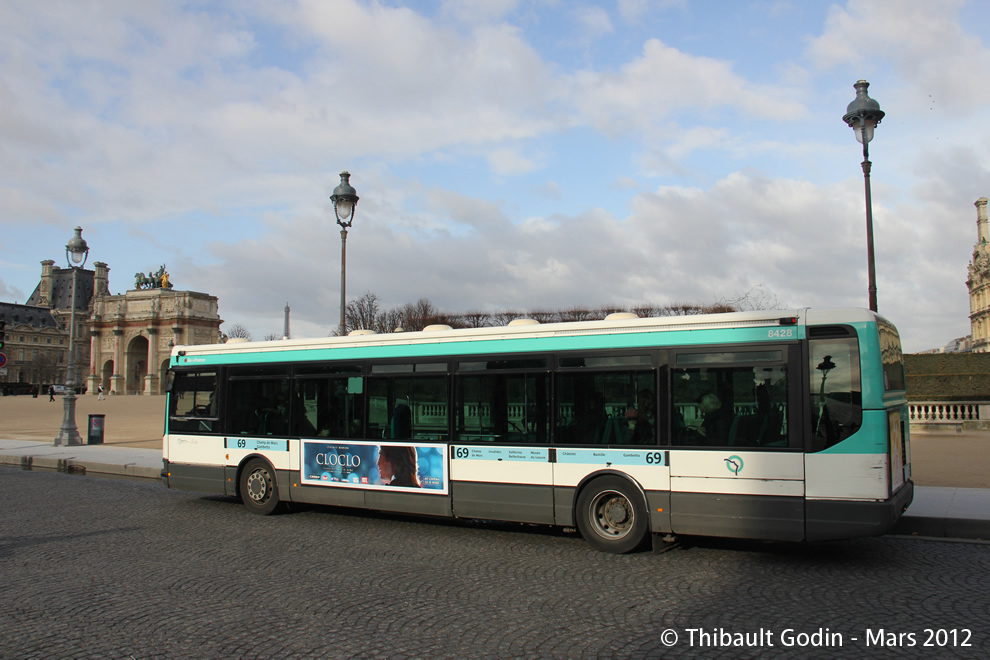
[612,516]
[259,491]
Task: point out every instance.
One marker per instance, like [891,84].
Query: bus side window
[327,407]
[503,408]
[404,407]
[730,406]
[606,408]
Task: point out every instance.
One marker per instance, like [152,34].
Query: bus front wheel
[612,516]
[258,489]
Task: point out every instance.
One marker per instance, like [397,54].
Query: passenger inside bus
[717,420]
[629,428]
[401,424]
[762,426]
[647,424]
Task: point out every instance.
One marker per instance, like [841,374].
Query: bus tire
[612,515]
[258,488]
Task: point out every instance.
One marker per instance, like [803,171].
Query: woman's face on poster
[385,468]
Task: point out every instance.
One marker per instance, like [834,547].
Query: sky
[508,155]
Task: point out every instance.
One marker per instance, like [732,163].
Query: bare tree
[476,319]
[648,310]
[757,298]
[45,367]
[238,331]
[544,315]
[445,318]
[605,310]
[576,314]
[719,308]
[366,313]
[392,321]
[363,313]
[505,316]
[418,315]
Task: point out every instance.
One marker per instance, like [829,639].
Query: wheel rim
[612,515]
[259,486]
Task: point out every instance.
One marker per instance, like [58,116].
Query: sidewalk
[937,511]
[102,460]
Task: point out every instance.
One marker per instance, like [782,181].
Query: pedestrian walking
[51,392]
[99,391]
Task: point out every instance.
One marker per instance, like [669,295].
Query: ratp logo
[734,464]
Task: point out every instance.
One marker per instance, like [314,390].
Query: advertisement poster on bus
[396,467]
[896,450]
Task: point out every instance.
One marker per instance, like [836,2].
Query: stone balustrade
[968,415]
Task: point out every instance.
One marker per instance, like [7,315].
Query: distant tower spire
[979,283]
[981,219]
[285,331]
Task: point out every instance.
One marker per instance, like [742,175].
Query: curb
[941,512]
[72,466]
[947,528]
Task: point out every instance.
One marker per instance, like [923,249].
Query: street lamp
[344,200]
[76,253]
[824,366]
[863,115]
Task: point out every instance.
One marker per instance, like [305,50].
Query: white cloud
[510,161]
[478,11]
[632,10]
[11,293]
[802,242]
[664,81]
[550,190]
[923,41]
[595,22]
[699,137]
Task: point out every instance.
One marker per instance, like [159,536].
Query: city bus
[779,425]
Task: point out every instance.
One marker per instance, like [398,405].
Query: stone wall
[948,377]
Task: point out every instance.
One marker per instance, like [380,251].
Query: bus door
[607,423]
[500,465]
[736,460]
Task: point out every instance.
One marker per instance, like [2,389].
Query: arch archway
[137,365]
[105,373]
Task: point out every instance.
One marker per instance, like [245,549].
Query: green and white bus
[782,425]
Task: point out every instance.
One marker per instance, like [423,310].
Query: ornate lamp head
[344,200]
[76,250]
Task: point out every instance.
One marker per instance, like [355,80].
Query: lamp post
[76,253]
[824,366]
[344,200]
[863,115]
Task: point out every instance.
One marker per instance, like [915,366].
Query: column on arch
[150,378]
[117,385]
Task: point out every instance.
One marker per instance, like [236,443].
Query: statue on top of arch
[157,280]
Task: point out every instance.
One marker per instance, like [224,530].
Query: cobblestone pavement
[102,568]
